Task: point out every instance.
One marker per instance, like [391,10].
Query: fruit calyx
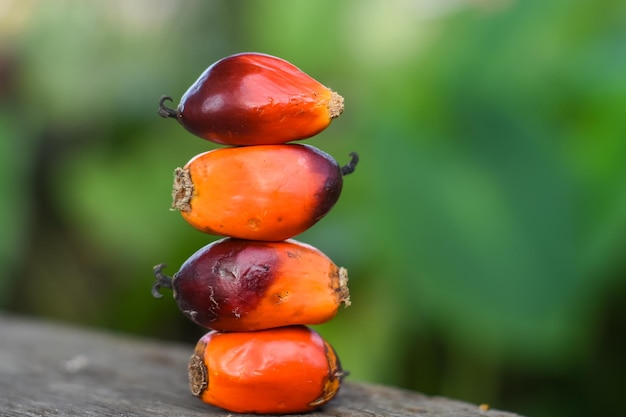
[335,105]
[198,375]
[344,292]
[182,190]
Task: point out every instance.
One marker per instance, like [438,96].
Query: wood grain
[51,369]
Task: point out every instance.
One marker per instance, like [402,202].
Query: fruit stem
[350,166]
[162,280]
[165,111]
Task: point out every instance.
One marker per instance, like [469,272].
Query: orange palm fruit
[265,192]
[255,99]
[244,285]
[275,371]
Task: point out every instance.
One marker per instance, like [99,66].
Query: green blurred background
[484,228]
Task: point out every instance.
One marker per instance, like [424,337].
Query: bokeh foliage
[483,230]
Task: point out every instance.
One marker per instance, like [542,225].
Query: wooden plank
[51,369]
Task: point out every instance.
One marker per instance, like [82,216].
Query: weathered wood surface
[49,369]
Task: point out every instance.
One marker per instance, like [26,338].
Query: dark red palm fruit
[242,285]
[255,99]
[265,192]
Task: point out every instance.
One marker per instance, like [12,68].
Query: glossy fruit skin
[256,99]
[243,285]
[276,371]
[265,192]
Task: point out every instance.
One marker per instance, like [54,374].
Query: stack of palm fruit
[257,290]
